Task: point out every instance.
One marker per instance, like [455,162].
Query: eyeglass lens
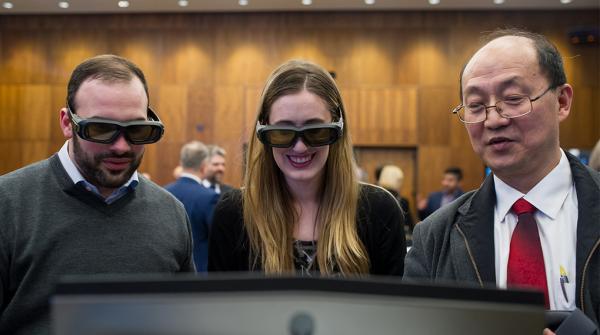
[312,137]
[107,132]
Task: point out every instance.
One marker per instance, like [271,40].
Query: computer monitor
[298,306]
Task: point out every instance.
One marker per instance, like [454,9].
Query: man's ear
[565,99]
[65,123]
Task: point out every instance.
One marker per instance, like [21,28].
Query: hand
[548,332]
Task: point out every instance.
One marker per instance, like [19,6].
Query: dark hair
[109,68]
[455,171]
[549,59]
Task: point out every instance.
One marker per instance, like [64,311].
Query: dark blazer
[456,243]
[199,203]
[434,202]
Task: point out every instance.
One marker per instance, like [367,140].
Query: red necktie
[526,260]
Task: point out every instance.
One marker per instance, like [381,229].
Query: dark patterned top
[305,254]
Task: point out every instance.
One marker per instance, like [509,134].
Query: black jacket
[379,222]
[456,243]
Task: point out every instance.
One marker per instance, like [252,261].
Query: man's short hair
[456,171]
[109,68]
[193,154]
[214,150]
[549,59]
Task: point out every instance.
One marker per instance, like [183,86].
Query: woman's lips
[300,161]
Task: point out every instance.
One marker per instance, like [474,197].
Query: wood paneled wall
[398,73]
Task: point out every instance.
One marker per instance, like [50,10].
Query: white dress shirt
[208,184]
[555,198]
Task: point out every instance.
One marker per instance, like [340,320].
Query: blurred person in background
[198,200]
[215,170]
[391,178]
[450,191]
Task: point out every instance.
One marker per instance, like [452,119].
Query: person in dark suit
[215,170]
[198,201]
[450,191]
[391,178]
[535,221]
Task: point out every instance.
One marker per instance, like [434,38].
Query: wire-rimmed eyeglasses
[511,107]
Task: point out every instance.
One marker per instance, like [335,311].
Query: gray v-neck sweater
[50,227]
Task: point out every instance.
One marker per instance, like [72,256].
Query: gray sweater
[50,227]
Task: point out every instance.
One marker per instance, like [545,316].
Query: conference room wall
[398,73]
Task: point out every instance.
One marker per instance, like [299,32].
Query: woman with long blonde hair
[301,208]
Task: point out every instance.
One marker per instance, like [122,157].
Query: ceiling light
[370,2]
[434,2]
[307,2]
[243,2]
[7,5]
[498,2]
[63,4]
[182,3]
[123,4]
[565,1]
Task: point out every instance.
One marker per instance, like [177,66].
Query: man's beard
[91,167]
[215,178]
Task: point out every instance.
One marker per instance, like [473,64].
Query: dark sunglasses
[107,131]
[314,135]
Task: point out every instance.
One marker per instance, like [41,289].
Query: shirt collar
[73,172]
[547,196]
[191,176]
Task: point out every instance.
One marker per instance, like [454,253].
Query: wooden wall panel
[11,105]
[188,59]
[228,122]
[398,72]
[382,116]
[434,117]
[69,49]
[33,151]
[35,121]
[432,160]
[577,129]
[252,96]
[172,104]
[11,156]
[200,113]
[24,58]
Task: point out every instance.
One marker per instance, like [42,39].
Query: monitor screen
[298,306]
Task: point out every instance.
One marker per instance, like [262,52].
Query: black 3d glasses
[314,135]
[107,131]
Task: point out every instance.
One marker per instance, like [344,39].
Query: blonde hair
[268,211]
[391,178]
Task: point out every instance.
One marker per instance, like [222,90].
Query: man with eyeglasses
[535,221]
[85,210]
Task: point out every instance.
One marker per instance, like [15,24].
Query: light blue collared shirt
[77,178]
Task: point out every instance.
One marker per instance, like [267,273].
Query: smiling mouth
[300,161]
